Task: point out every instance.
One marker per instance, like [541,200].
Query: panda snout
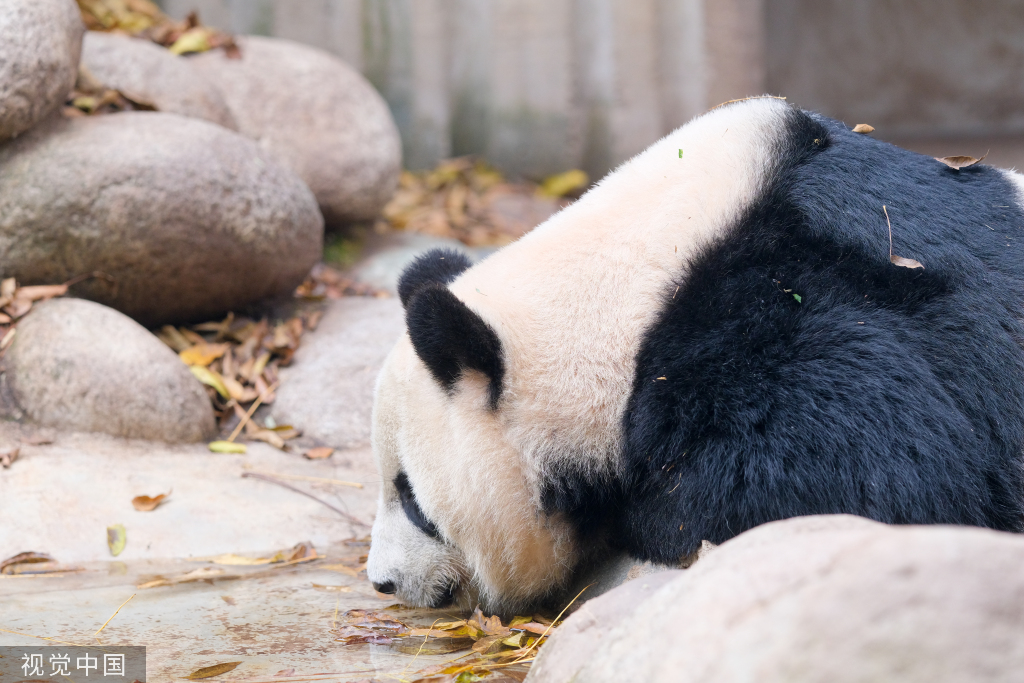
[447,597]
[388,587]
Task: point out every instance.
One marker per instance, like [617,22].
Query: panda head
[456,521]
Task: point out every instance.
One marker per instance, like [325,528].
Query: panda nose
[387,587]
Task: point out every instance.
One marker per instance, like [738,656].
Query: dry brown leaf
[959,162]
[319,453]
[863,128]
[905,262]
[40,292]
[18,307]
[201,574]
[268,436]
[211,671]
[23,558]
[36,440]
[148,503]
[8,456]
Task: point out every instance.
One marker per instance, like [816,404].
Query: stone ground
[59,498]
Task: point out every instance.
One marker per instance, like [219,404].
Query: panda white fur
[701,344]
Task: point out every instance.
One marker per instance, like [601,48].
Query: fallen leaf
[210,378]
[18,307]
[905,262]
[332,589]
[170,335]
[201,574]
[226,447]
[863,128]
[147,503]
[36,440]
[116,539]
[959,162]
[39,292]
[8,456]
[8,338]
[194,40]
[211,671]
[203,354]
[228,599]
[238,560]
[318,453]
[23,558]
[285,672]
[7,288]
[268,436]
[562,184]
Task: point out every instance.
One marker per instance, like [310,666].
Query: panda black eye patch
[412,508]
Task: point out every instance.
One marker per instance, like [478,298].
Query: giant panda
[713,337]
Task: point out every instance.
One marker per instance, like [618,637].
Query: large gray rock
[148,73]
[40,42]
[188,218]
[81,366]
[833,599]
[316,114]
[328,391]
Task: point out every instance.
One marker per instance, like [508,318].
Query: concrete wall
[539,86]
[908,67]
[536,86]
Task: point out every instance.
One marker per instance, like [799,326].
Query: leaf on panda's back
[961,161]
[905,262]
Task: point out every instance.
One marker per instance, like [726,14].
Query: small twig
[319,480]
[275,480]
[890,230]
[252,409]
[113,615]
[87,276]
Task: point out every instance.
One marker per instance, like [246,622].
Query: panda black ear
[437,266]
[450,338]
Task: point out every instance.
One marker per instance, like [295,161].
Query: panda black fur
[778,364]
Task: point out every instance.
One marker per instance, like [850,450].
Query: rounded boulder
[147,73]
[835,599]
[178,218]
[80,366]
[40,43]
[317,115]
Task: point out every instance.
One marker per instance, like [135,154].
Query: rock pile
[200,207]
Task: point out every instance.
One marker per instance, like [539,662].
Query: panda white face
[455,522]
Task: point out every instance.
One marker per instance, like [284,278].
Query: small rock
[317,115]
[81,366]
[184,219]
[40,43]
[832,598]
[148,74]
[328,391]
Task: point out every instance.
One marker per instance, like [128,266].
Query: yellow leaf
[116,539]
[193,40]
[211,671]
[203,354]
[226,447]
[563,183]
[336,589]
[863,128]
[210,378]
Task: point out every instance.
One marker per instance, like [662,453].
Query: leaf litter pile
[494,651]
[468,200]
[140,19]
